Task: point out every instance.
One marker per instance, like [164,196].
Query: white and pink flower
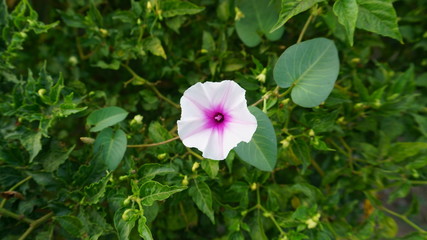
[215,118]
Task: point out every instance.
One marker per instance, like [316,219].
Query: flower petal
[193,133]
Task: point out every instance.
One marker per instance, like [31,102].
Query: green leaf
[347,11]
[154,45]
[422,123]
[123,227]
[143,229]
[378,16]
[105,117]
[149,170]
[95,191]
[32,143]
[152,191]
[291,8]
[110,147]
[202,196]
[403,150]
[172,8]
[55,158]
[311,68]
[257,227]
[261,151]
[71,224]
[302,152]
[258,18]
[211,167]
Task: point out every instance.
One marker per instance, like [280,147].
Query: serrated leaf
[151,191]
[258,18]
[291,8]
[311,68]
[71,224]
[172,8]
[32,143]
[95,191]
[347,11]
[378,16]
[261,151]
[202,196]
[55,158]
[106,117]
[110,147]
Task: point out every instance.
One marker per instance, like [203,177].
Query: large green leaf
[143,229]
[258,18]
[110,147]
[311,68]
[291,8]
[152,191]
[172,8]
[106,117]
[378,16]
[71,224]
[32,143]
[347,11]
[202,196]
[261,151]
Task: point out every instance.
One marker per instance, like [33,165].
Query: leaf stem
[35,224]
[304,29]
[18,217]
[151,85]
[195,154]
[403,218]
[153,144]
[418,182]
[3,202]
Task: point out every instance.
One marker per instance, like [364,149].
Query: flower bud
[254,186]
[261,77]
[41,92]
[87,140]
[73,60]
[285,143]
[196,165]
[310,223]
[127,214]
[285,101]
[185,181]
[267,214]
[239,14]
[104,32]
[311,133]
[162,156]
[126,201]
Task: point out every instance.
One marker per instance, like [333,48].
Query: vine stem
[153,144]
[35,224]
[304,29]
[3,202]
[403,218]
[151,85]
[18,217]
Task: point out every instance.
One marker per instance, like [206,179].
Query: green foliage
[261,151]
[257,18]
[89,100]
[310,68]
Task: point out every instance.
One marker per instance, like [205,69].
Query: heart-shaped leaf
[311,68]
[256,19]
[106,117]
[110,147]
[261,151]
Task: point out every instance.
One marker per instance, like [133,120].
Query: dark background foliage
[355,166]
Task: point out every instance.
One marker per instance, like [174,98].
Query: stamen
[219,117]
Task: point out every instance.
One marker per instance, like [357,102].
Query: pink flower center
[219,117]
